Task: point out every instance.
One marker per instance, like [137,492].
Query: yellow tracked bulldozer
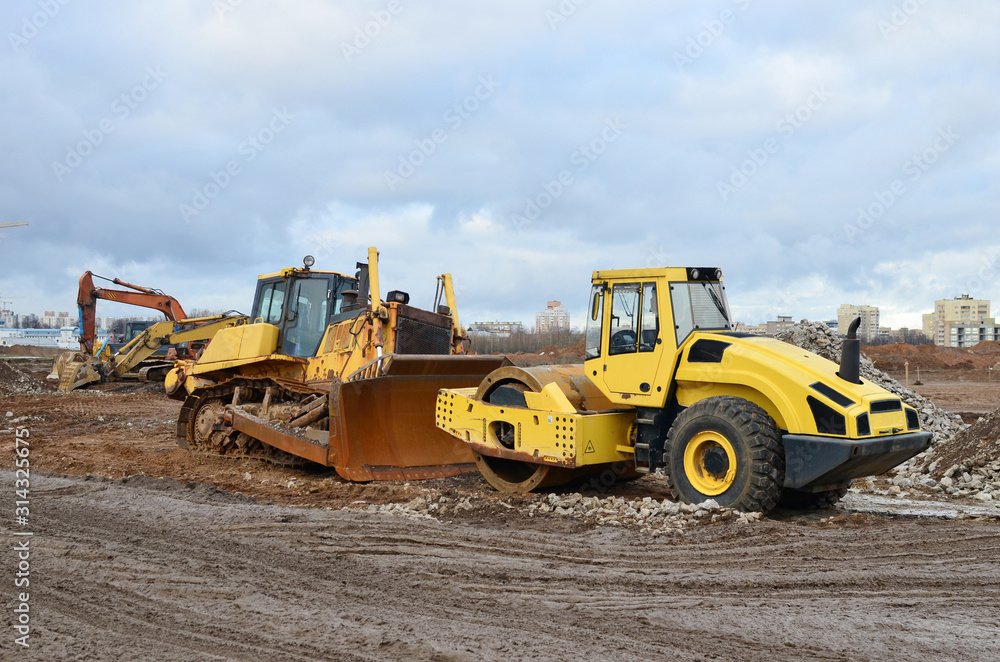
[667,385]
[329,372]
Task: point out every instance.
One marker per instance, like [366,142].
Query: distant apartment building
[496,329]
[960,322]
[783,322]
[56,321]
[963,334]
[553,319]
[868,330]
[752,329]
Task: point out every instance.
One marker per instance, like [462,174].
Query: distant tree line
[524,343]
[905,336]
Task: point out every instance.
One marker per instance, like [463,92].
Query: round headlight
[308,261]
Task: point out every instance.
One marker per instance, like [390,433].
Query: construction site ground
[142,550]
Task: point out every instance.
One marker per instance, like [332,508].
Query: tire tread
[766,451]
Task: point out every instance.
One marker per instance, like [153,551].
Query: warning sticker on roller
[590,447]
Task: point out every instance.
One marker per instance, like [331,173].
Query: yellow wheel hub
[710,463]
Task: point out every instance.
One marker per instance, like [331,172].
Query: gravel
[649,515]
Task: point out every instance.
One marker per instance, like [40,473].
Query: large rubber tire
[727,449]
[796,500]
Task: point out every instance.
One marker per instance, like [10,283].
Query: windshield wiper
[717,301]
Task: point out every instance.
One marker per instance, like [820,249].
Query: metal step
[642,458]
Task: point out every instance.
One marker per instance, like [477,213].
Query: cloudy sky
[820,153]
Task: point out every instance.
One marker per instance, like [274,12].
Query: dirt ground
[141,570]
[968,393]
[145,551]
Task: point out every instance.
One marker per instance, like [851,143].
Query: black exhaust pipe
[850,355]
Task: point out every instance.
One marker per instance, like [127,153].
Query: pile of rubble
[15,382]
[647,514]
[969,464]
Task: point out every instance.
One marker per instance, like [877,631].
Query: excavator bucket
[77,374]
[73,370]
[382,424]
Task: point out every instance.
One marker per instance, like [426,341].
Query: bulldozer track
[200,428]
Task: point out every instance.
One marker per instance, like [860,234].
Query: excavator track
[201,428]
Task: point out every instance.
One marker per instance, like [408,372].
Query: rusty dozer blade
[382,423]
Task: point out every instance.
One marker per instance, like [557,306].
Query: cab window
[650,319]
[308,316]
[625,305]
[595,320]
[272,296]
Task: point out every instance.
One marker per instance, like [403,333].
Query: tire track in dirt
[133,570]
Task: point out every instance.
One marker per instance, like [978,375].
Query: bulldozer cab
[638,318]
[301,303]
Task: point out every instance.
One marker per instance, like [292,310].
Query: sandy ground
[144,551]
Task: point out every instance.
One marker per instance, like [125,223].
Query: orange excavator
[136,295]
[75,369]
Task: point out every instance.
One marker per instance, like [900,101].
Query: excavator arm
[168,333]
[136,295]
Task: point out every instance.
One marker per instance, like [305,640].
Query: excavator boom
[136,295]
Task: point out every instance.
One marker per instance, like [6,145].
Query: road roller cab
[667,385]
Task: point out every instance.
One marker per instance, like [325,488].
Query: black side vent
[413,337]
[827,420]
[864,427]
[912,419]
[707,351]
[833,394]
[882,406]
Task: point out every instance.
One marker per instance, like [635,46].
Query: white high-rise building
[554,318]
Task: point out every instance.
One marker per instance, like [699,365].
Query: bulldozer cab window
[650,319]
[308,312]
[595,320]
[270,301]
[626,301]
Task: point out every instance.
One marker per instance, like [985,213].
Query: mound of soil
[932,357]
[987,348]
[553,354]
[29,350]
[975,447]
[562,352]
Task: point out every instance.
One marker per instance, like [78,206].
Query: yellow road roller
[667,385]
